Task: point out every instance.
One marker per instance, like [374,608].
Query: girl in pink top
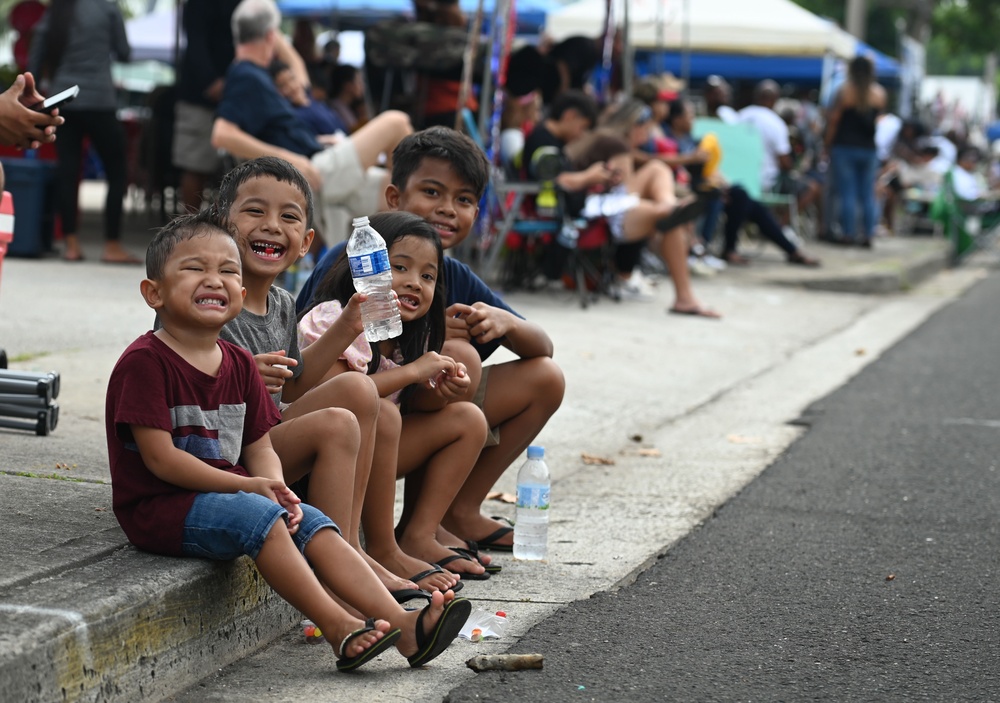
[433,441]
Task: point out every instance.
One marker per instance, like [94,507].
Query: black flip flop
[448,626]
[435,569]
[356,662]
[404,595]
[471,555]
[463,574]
[489,542]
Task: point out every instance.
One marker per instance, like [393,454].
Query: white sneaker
[636,287]
[792,236]
[714,262]
[698,267]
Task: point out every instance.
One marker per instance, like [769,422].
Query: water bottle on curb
[370,270]
[531,524]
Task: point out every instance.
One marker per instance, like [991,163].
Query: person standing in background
[850,137]
[73,44]
[199,88]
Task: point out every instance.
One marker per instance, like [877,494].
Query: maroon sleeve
[138,385]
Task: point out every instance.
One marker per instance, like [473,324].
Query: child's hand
[281,494]
[287,499]
[456,326]
[273,369]
[487,323]
[432,366]
[352,312]
[453,385]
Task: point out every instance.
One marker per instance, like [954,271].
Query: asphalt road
[861,566]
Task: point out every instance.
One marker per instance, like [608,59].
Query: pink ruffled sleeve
[318,320]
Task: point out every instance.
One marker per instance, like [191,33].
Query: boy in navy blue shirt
[441,174]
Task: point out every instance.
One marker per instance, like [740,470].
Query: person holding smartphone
[73,44]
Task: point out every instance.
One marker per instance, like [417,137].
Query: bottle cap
[536,452]
[360,221]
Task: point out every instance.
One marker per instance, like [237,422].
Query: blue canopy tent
[358,14]
[734,67]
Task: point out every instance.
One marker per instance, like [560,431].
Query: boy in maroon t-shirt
[183,407]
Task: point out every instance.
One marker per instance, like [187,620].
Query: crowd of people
[253,422]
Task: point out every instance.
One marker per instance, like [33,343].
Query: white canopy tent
[762,27]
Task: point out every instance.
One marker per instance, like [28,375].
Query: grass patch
[27,356]
[51,476]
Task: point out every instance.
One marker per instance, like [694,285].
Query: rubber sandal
[463,574]
[683,214]
[489,542]
[430,572]
[697,312]
[448,626]
[471,555]
[404,595]
[354,663]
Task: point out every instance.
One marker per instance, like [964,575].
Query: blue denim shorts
[225,526]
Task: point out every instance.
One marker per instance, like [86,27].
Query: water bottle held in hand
[372,276]
[531,525]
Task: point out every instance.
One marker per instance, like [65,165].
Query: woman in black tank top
[850,137]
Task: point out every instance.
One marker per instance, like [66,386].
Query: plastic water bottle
[370,270]
[531,526]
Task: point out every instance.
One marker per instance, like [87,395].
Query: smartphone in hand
[57,100]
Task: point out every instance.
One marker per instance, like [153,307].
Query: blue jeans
[854,176]
[225,526]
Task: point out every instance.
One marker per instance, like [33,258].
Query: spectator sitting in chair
[253,119]
[317,115]
[638,204]
[737,203]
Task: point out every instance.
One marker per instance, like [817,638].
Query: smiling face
[436,193]
[272,228]
[201,285]
[414,263]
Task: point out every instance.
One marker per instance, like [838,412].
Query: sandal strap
[369,627]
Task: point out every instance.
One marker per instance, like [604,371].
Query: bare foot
[432,551]
[479,528]
[115,253]
[396,561]
[336,632]
[391,581]
[451,540]
[407,622]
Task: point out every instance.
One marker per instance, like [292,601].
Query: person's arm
[486,323]
[321,356]
[286,53]
[21,126]
[261,461]
[119,38]
[228,135]
[426,370]
[833,120]
[574,181]
[177,467]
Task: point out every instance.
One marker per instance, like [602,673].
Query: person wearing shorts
[253,119]
[207,56]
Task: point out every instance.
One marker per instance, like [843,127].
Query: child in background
[438,446]
[441,175]
[270,207]
[183,407]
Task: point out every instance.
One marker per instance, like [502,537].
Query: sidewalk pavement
[686,411]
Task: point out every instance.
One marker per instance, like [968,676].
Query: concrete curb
[170,622]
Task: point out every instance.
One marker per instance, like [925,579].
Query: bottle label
[533,496]
[369,264]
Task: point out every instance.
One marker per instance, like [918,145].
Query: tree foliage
[968,26]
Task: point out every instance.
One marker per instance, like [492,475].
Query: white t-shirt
[727,114]
[774,132]
[886,131]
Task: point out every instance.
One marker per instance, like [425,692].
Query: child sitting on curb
[183,407]
[441,174]
[270,207]
[437,448]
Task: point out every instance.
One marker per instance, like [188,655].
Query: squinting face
[202,285]
[414,263]
[270,218]
[436,193]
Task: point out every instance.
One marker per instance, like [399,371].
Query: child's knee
[337,425]
[390,421]
[470,418]
[550,382]
[358,392]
